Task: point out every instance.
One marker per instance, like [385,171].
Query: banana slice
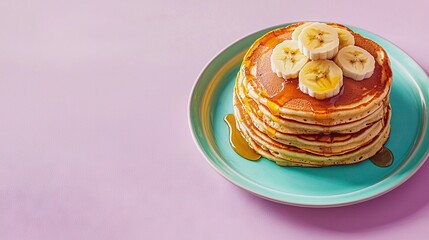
[298,30]
[321,79]
[287,60]
[345,37]
[356,62]
[318,41]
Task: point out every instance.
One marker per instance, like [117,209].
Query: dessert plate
[211,100]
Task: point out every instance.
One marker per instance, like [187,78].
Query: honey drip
[238,143]
[383,158]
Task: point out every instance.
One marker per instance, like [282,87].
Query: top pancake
[356,100]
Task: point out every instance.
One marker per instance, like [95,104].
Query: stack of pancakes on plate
[292,128]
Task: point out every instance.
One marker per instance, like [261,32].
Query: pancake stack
[292,125]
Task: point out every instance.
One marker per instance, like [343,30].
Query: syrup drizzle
[382,158]
[238,143]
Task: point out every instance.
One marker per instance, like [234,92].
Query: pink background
[94,130]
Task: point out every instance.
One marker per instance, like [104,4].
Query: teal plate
[211,100]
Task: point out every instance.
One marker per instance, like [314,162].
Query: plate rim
[419,164]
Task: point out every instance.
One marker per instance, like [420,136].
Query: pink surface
[94,135]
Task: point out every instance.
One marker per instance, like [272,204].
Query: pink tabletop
[94,130]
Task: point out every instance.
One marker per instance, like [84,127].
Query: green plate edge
[198,122]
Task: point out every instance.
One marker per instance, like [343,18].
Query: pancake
[290,154]
[292,128]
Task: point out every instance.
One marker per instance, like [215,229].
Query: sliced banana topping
[298,30]
[356,62]
[318,41]
[307,54]
[321,79]
[345,37]
[287,60]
